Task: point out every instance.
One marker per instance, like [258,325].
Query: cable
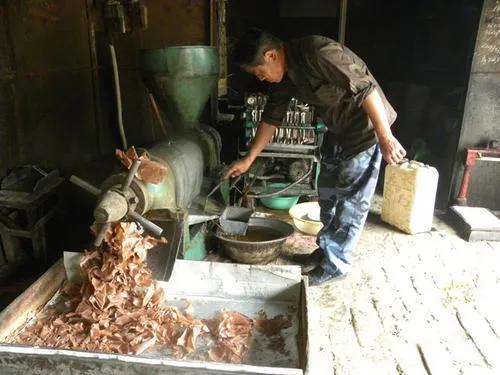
[282,190]
[118,96]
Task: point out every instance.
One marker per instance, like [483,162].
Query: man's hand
[238,167]
[392,151]
[264,134]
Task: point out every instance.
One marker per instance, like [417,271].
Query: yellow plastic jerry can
[409,196]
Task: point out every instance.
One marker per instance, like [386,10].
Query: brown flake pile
[149,170]
[233,332]
[271,327]
[120,309]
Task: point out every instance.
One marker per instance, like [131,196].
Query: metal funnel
[181,79]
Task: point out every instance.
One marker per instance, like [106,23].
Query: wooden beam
[31,300]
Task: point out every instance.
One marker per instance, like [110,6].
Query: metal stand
[473,154]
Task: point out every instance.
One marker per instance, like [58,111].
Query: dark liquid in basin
[258,234]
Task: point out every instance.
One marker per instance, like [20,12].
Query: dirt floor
[414,304]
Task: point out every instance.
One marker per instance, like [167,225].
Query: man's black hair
[252,45]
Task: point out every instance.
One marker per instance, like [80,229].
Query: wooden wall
[57,104]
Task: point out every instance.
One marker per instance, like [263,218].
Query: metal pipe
[254,196]
[96,95]
[118,96]
[156,110]
[342,21]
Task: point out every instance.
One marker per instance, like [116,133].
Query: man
[324,73]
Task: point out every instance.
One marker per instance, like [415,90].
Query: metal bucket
[261,244]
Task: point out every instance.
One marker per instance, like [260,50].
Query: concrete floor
[414,304]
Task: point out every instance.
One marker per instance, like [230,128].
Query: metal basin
[261,244]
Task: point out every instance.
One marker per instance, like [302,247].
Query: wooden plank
[3,261]
[16,232]
[15,199]
[32,299]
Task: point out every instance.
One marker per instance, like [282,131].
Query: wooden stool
[34,210]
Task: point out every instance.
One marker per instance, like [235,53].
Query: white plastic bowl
[302,213]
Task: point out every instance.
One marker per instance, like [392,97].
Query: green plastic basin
[280,202]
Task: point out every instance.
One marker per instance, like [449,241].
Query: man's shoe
[319,276]
[308,261]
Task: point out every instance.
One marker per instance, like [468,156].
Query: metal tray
[209,287]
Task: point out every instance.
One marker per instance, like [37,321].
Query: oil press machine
[292,158]
[181,80]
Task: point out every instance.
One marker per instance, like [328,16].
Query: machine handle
[85,185]
[149,225]
[131,174]
[100,235]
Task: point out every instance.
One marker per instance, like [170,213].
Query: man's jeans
[346,187]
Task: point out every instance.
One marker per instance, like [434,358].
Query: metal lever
[95,191]
[85,185]
[149,225]
[131,174]
[128,180]
[100,235]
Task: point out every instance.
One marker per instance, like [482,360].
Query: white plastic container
[409,196]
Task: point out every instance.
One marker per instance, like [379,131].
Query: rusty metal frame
[473,154]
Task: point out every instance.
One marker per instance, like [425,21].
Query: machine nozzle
[112,207]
